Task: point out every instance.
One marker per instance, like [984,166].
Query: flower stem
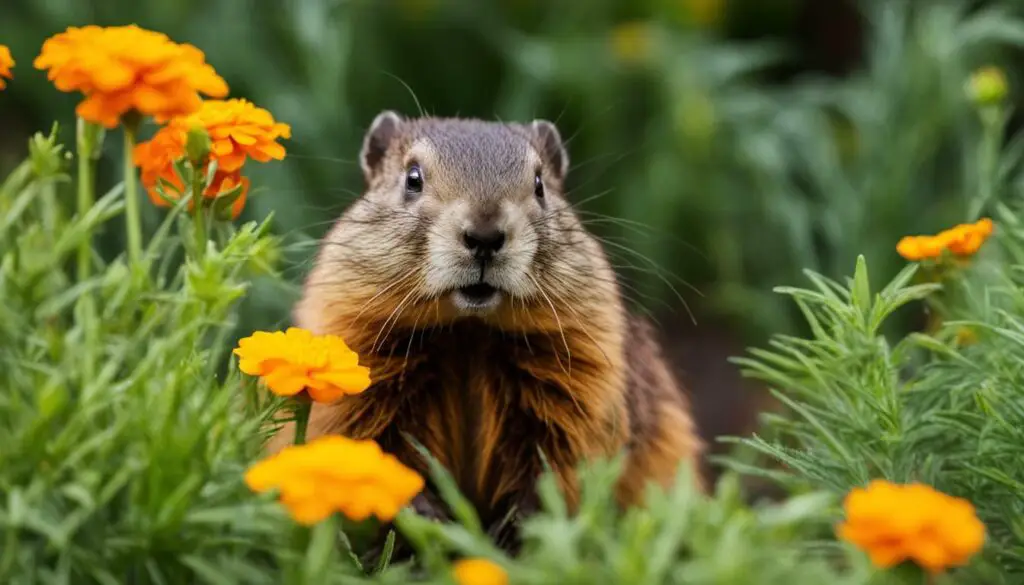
[992,120]
[131,206]
[302,420]
[199,223]
[88,138]
[87,150]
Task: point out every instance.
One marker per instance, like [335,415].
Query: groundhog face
[464,216]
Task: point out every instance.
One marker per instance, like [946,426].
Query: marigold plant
[336,474]
[962,240]
[478,572]
[238,131]
[6,63]
[894,523]
[295,360]
[124,69]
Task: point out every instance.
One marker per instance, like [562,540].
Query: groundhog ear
[378,139]
[552,148]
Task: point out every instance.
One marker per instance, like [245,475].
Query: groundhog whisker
[408,346]
[656,270]
[637,227]
[580,323]
[401,280]
[394,322]
[574,204]
[345,161]
[558,320]
[397,310]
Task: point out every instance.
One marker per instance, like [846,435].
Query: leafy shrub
[942,406]
[124,446]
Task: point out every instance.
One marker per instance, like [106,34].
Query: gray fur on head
[388,125]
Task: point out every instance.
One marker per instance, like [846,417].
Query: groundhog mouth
[480,291]
[477,296]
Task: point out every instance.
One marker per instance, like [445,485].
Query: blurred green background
[719,146]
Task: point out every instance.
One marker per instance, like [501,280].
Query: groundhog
[491,320]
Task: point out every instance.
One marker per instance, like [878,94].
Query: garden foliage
[126,428]
[124,445]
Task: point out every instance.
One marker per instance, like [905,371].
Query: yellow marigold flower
[478,572]
[6,63]
[895,523]
[295,360]
[962,240]
[238,130]
[336,474]
[124,69]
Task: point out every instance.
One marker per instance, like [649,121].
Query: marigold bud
[987,86]
[197,145]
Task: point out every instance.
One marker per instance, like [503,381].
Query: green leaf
[861,288]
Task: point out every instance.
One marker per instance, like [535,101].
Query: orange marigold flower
[478,572]
[895,523]
[336,474]
[962,240]
[238,130]
[156,158]
[122,69]
[6,63]
[295,360]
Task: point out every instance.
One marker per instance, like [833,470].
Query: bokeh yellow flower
[987,86]
[123,69]
[336,474]
[962,240]
[238,131]
[966,336]
[6,63]
[478,572]
[705,13]
[631,42]
[894,523]
[295,360]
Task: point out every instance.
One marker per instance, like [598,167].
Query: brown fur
[566,372]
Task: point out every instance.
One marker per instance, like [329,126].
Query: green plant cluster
[123,446]
[944,406]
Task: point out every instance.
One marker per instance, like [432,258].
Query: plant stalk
[133,223]
[302,410]
[88,138]
[992,121]
[199,218]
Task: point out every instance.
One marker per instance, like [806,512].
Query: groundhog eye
[414,180]
[538,187]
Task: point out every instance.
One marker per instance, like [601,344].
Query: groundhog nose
[485,241]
